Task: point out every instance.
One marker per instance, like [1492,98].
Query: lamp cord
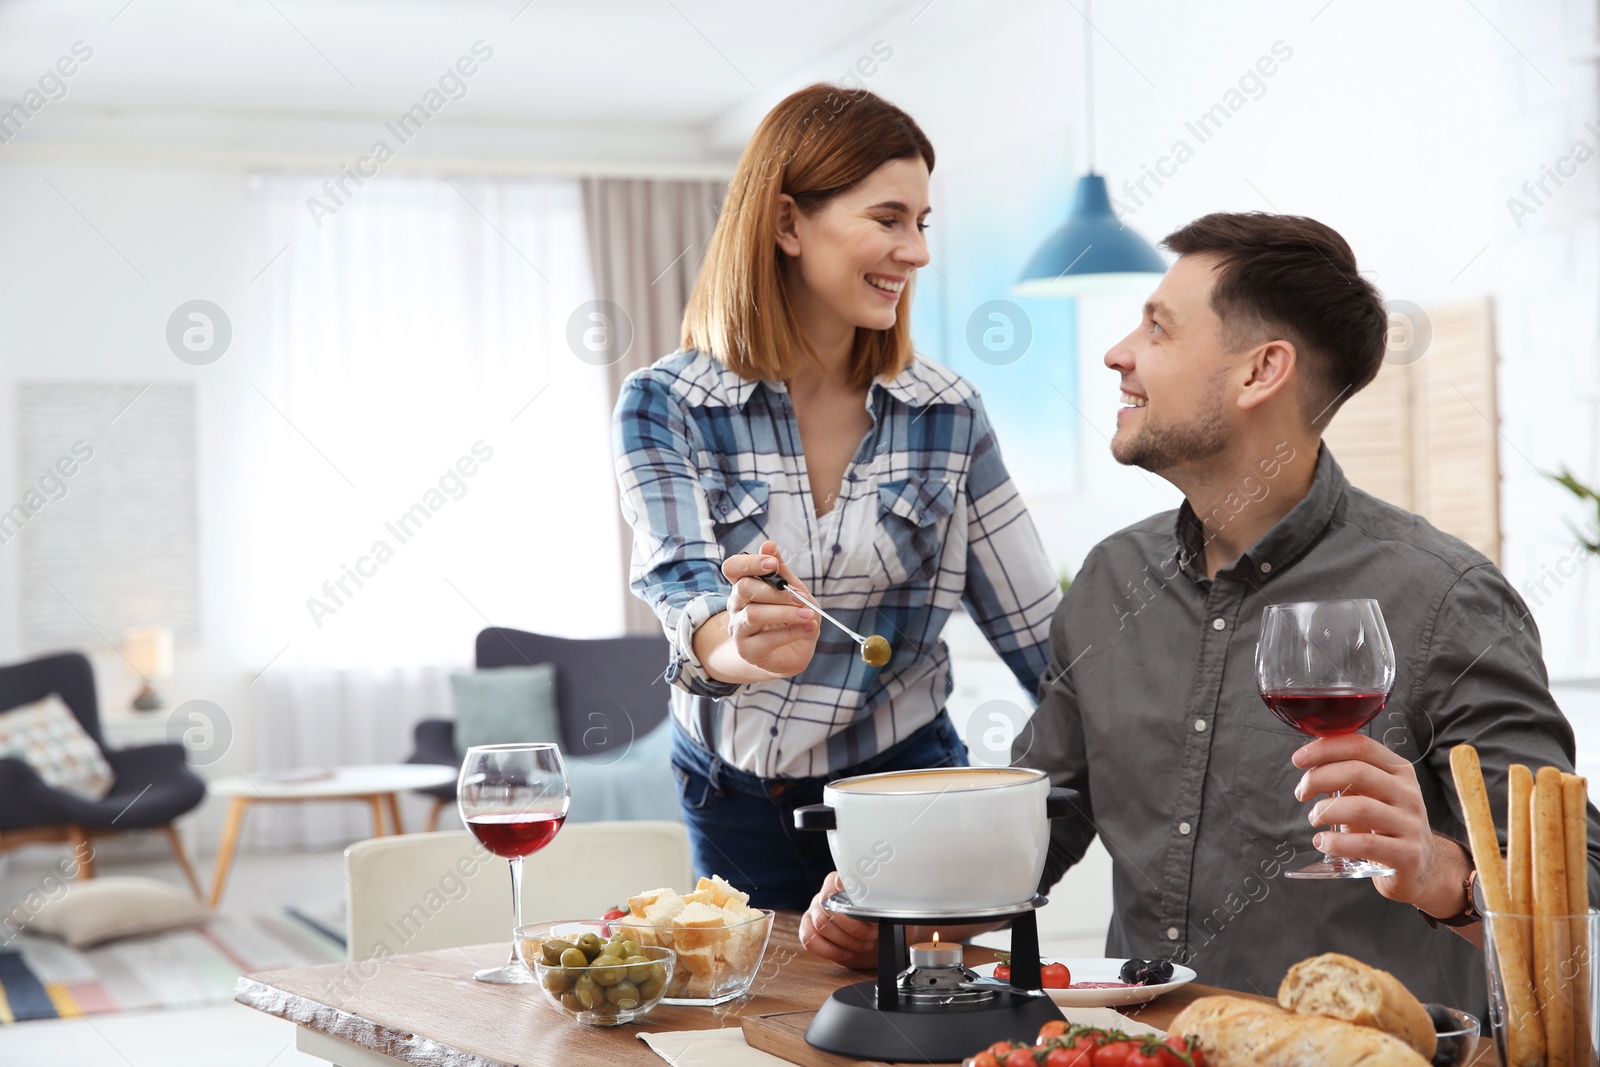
[1088,80]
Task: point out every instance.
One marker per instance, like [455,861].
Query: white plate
[1103,971]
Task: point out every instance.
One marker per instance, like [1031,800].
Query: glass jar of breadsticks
[1541,938]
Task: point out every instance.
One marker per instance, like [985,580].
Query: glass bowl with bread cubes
[717,938]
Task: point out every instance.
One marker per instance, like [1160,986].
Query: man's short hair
[1290,277]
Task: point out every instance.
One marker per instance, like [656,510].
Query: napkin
[709,1048]
[1109,1019]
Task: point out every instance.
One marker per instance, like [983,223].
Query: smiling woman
[796,434]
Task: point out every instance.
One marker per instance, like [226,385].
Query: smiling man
[1244,352]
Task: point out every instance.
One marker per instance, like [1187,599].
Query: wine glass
[1326,668]
[513,798]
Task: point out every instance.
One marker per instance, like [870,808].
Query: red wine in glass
[1327,713]
[514,834]
[1326,668]
[514,799]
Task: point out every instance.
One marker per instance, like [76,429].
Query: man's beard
[1161,448]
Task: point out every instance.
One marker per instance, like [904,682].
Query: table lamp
[149,651]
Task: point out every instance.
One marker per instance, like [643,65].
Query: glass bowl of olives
[592,975]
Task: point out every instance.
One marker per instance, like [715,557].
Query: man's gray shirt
[1150,709]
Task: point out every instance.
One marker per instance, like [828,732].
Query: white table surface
[344,782]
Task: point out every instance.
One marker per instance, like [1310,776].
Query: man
[1246,349]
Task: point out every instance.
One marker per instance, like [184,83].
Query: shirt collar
[1279,547]
[915,386]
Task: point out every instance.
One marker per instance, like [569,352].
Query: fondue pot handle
[1060,803]
[815,817]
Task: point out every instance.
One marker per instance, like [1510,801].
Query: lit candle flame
[936,938]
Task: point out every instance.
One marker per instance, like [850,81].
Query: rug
[42,978]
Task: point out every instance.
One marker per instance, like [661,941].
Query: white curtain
[422,453]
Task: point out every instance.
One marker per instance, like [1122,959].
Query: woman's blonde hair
[817,143]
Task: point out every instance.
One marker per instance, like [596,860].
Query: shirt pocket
[912,514]
[738,511]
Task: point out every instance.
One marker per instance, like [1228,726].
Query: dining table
[425,1009]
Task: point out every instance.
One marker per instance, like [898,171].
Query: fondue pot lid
[936,780]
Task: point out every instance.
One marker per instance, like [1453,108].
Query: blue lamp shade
[1092,252]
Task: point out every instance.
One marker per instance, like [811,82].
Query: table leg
[82,852]
[394,814]
[182,857]
[230,842]
[433,816]
[377,815]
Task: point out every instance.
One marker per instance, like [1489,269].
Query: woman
[796,433]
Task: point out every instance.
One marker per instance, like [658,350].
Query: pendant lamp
[1092,252]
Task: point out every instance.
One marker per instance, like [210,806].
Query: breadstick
[1550,938]
[1575,828]
[1519,854]
[1524,1030]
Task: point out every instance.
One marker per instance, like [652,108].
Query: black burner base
[850,1024]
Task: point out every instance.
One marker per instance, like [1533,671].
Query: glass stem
[516,908]
[1338,829]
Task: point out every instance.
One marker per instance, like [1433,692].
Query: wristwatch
[1468,915]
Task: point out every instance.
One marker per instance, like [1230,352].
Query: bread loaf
[1344,988]
[1244,1033]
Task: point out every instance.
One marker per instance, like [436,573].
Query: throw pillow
[95,910]
[505,705]
[49,738]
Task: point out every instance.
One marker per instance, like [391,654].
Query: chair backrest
[420,892]
[66,673]
[609,691]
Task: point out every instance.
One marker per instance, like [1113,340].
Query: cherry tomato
[985,1059]
[1002,972]
[1056,976]
[1114,1055]
[1086,1042]
[1022,1057]
[1182,1044]
[1156,1056]
[1001,1049]
[1069,1057]
[614,913]
[1053,1028]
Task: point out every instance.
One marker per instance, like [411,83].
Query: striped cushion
[48,737]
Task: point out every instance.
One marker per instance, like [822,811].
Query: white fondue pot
[952,839]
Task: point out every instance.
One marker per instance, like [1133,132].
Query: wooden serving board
[783,1034]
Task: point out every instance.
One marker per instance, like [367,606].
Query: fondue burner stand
[935,1010]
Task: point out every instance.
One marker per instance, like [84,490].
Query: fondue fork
[777,582]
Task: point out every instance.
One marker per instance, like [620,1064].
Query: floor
[227,1035]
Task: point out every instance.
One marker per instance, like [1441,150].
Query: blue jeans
[742,826]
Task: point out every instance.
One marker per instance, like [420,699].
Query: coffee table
[374,784]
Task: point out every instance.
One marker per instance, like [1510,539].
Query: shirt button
[1266,568]
[836,550]
[1219,624]
[1184,828]
[774,731]
[1172,933]
[851,476]
[1199,726]
[723,508]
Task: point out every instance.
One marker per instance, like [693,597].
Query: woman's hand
[769,629]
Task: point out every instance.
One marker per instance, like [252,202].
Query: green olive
[556,980]
[588,993]
[629,948]
[658,973]
[607,970]
[651,988]
[639,967]
[571,1002]
[590,944]
[875,651]
[574,957]
[553,949]
[624,995]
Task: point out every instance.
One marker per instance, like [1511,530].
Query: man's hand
[1384,819]
[838,937]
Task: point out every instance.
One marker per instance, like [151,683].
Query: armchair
[609,695]
[153,784]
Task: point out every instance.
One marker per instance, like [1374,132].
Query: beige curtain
[646,241]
